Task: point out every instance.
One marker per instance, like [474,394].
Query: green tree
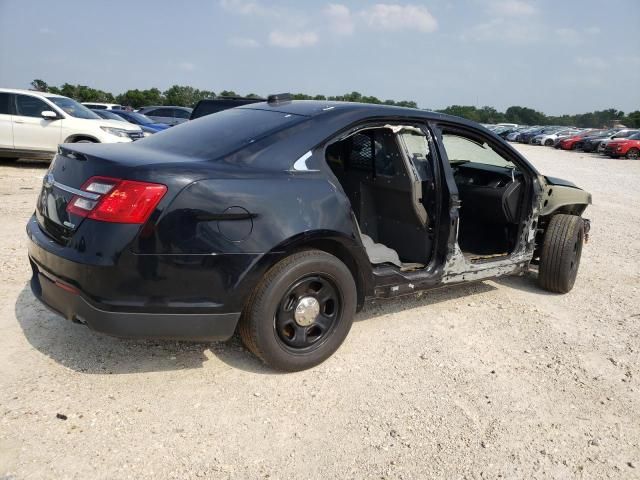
[185,96]
[465,111]
[525,116]
[40,85]
[632,119]
[139,98]
[83,93]
[228,93]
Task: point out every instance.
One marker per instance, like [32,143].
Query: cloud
[591,63]
[340,19]
[512,8]
[500,29]
[292,40]
[389,17]
[593,30]
[45,31]
[186,66]
[569,36]
[243,7]
[243,42]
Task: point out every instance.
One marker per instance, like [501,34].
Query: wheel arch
[564,199]
[346,248]
[80,136]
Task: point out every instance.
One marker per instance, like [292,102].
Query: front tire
[561,252]
[548,142]
[633,154]
[301,311]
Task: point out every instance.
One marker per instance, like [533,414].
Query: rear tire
[633,154]
[561,252]
[85,141]
[275,325]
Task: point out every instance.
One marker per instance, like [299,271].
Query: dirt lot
[493,380]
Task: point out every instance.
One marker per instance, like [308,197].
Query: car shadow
[83,350]
[526,283]
[24,163]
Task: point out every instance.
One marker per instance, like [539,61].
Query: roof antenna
[279,98]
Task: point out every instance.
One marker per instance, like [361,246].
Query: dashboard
[489,193]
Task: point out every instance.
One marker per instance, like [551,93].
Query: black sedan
[279,219]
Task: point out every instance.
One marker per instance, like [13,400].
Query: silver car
[167,114]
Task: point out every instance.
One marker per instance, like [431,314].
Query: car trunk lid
[74,165]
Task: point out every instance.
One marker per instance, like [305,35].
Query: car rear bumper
[83,292]
[70,304]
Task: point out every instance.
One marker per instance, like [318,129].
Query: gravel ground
[493,380]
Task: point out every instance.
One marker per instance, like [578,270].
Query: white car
[548,140]
[33,124]
[102,106]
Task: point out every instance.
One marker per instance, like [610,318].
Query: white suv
[32,124]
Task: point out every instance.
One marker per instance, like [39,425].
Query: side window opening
[29,106]
[381,172]
[491,190]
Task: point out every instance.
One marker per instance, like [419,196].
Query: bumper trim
[170,326]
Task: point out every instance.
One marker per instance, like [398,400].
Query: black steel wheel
[301,311]
[307,313]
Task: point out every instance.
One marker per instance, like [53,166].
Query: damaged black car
[279,219]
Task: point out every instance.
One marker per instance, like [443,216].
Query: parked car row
[614,142]
[33,124]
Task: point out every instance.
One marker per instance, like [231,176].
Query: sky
[569,56]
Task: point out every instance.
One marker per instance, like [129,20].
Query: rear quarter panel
[250,215]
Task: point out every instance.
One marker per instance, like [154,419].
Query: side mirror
[49,115]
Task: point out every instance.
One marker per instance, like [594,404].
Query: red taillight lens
[120,201]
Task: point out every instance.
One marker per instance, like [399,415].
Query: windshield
[110,116]
[463,150]
[629,133]
[138,118]
[73,108]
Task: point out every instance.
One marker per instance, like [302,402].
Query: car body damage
[359,201]
[562,195]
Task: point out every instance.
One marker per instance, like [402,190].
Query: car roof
[232,98]
[164,106]
[314,108]
[98,103]
[30,92]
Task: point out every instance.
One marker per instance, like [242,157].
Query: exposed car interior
[491,190]
[381,171]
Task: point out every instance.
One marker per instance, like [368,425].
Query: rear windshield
[216,135]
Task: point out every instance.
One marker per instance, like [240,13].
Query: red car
[569,143]
[624,147]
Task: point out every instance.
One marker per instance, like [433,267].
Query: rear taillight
[118,201]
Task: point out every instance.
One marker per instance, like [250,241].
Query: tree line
[187,96]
